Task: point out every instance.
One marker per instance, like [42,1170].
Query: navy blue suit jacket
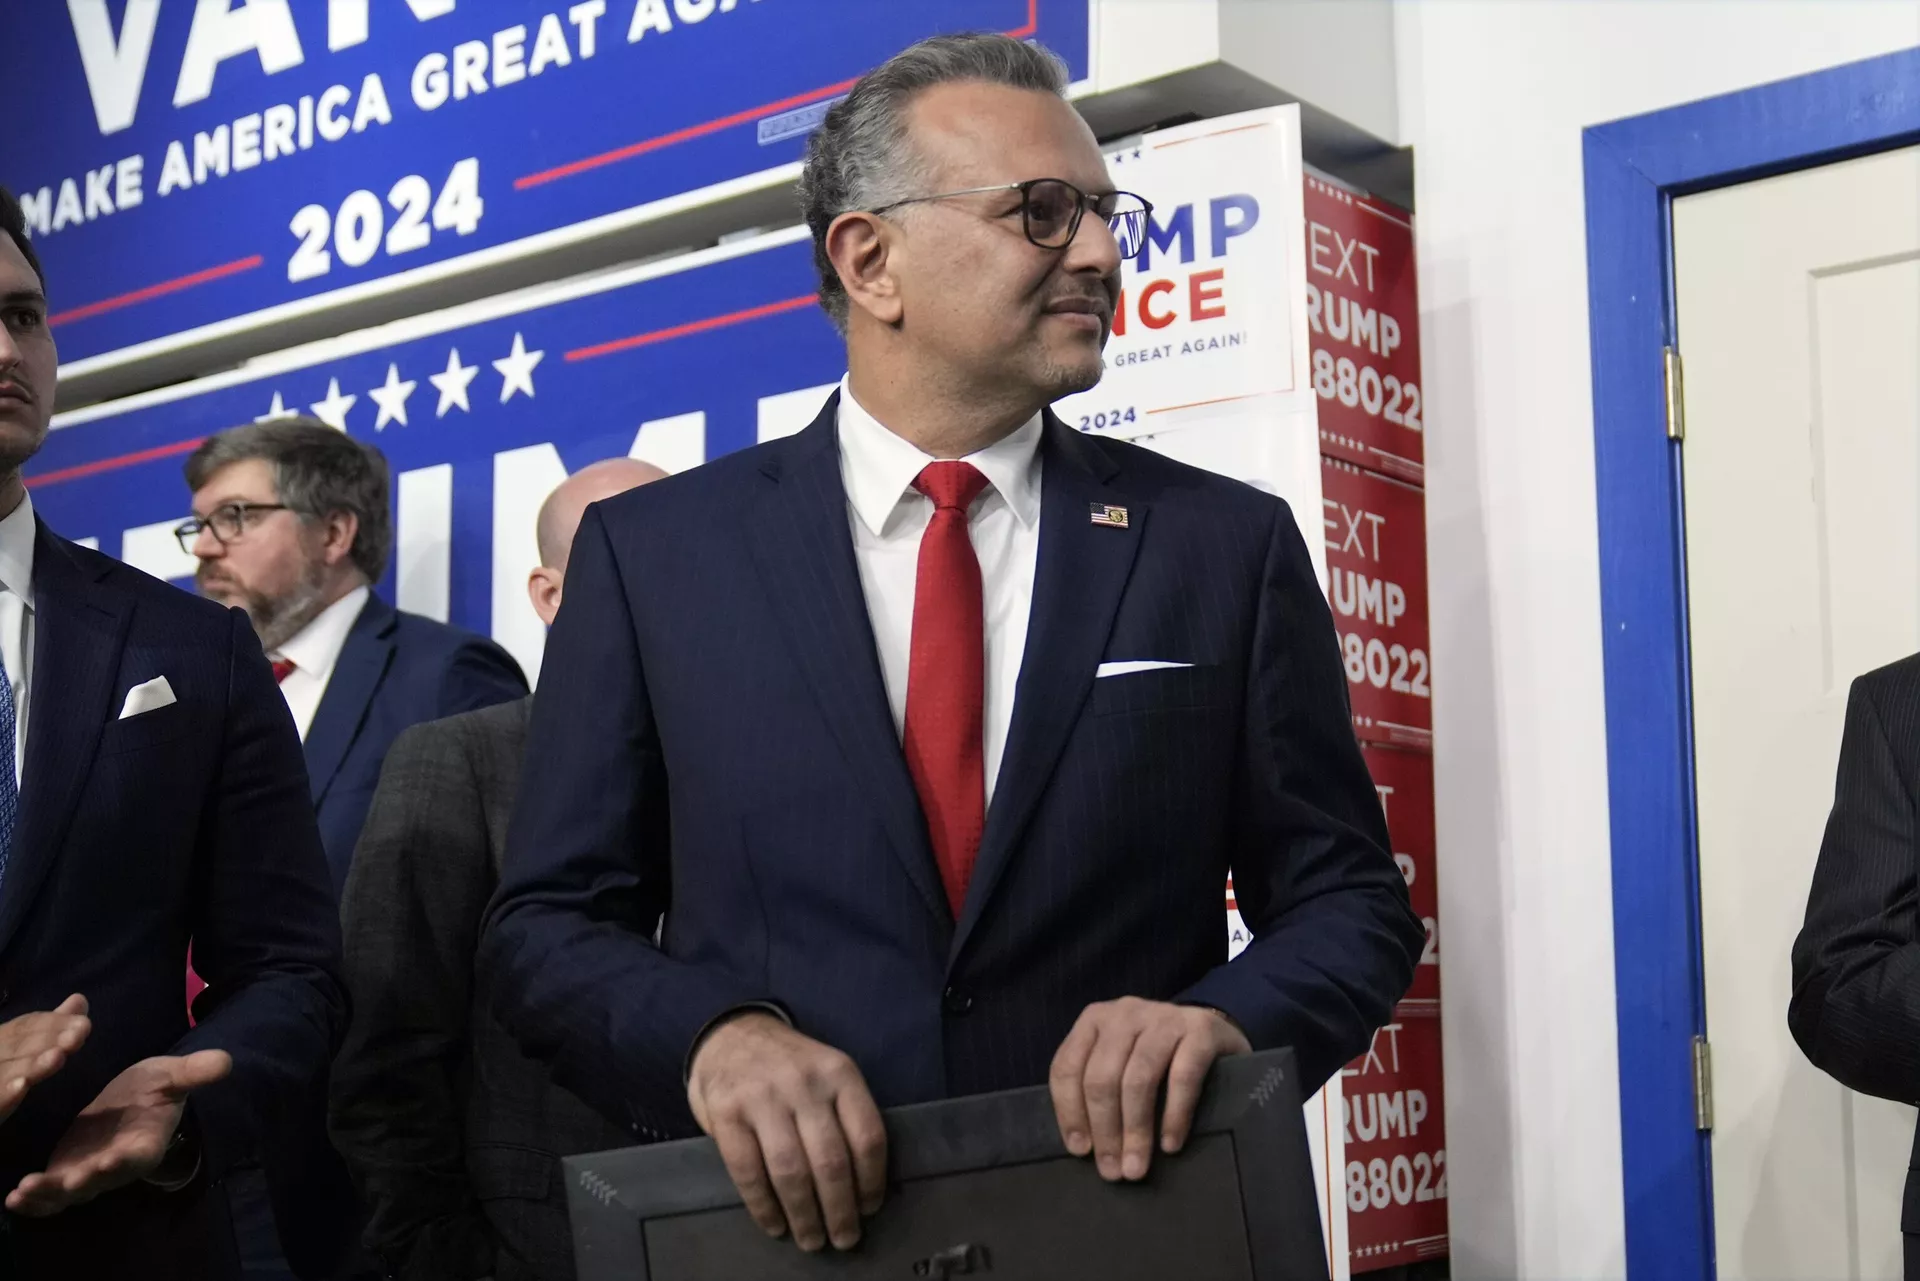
[188,821]
[712,742]
[396,670]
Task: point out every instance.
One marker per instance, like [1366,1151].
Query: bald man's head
[560,514]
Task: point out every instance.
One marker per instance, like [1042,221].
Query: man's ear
[863,250]
[342,528]
[543,589]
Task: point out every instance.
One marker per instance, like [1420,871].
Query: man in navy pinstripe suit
[932,775]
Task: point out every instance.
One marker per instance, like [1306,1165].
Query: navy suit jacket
[712,743]
[188,821]
[396,670]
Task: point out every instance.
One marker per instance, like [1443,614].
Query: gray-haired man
[931,777]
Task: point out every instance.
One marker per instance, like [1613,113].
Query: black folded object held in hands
[984,1187]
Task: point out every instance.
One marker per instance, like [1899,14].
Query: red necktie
[282,668]
[946,676]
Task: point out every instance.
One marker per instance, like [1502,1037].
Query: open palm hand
[121,1135]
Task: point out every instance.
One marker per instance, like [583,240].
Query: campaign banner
[1376,538]
[1395,1125]
[198,169]
[1404,782]
[1209,324]
[1395,1145]
[1364,316]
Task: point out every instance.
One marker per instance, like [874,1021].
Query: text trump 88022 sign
[200,168]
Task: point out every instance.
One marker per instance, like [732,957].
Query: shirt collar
[316,647]
[879,466]
[16,550]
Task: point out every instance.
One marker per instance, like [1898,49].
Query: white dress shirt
[888,516]
[16,617]
[313,651]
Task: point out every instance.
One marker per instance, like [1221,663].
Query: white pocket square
[1135,665]
[147,697]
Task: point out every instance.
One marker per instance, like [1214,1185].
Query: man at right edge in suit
[927,738]
[1855,1008]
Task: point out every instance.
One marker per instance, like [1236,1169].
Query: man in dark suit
[927,738]
[1856,966]
[452,1133]
[290,522]
[151,790]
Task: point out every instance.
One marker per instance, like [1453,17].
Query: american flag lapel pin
[1108,515]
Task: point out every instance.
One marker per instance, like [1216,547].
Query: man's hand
[121,1135]
[1107,1075]
[796,1126]
[35,1046]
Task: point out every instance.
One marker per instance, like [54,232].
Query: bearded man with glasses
[930,780]
[291,523]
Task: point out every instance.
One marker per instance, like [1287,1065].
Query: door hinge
[1702,1084]
[1676,404]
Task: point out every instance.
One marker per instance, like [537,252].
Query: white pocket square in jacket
[1135,665]
[148,696]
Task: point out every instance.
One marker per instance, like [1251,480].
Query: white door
[1799,312]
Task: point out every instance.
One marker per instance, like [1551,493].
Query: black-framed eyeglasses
[1051,209]
[228,523]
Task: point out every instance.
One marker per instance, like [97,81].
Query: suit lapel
[356,675]
[1077,585]
[79,630]
[804,552]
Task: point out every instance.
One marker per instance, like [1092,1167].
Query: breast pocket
[1162,689]
[160,726]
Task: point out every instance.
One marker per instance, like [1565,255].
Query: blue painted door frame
[1634,169]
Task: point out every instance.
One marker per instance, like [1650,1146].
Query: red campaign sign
[1363,318]
[1377,583]
[1405,783]
[1396,1173]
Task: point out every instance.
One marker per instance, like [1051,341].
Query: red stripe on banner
[160,290]
[691,132]
[1218,133]
[631,150]
[99,465]
[692,327]
[1196,404]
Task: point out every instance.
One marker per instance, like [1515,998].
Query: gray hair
[317,472]
[861,158]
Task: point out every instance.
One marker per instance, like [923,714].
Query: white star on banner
[333,410]
[392,399]
[452,384]
[516,369]
[278,409]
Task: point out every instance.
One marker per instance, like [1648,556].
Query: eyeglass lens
[1053,215]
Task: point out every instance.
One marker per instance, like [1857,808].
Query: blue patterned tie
[9,784]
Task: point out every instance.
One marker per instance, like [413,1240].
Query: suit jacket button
[957,1001]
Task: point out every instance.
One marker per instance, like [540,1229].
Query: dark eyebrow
[20,297]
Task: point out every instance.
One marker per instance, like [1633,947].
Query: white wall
[1493,95]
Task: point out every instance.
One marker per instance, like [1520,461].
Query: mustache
[1103,299]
